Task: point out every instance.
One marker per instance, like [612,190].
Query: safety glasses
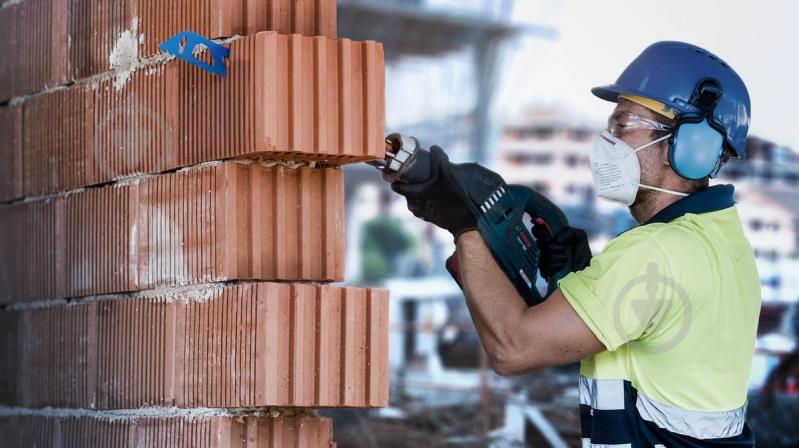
[621,122]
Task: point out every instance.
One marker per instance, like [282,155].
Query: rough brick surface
[10,152]
[178,432]
[55,130]
[50,42]
[254,344]
[9,346]
[33,33]
[285,97]
[111,185]
[226,221]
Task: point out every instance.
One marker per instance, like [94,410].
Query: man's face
[653,159]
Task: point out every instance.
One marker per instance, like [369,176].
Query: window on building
[539,159]
[572,160]
[515,158]
[732,173]
[581,134]
[522,158]
[540,187]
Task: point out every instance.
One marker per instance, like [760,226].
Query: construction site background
[507,84]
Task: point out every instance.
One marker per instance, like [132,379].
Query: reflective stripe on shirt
[587,444]
[699,424]
[602,394]
[608,397]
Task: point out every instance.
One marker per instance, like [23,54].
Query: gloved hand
[442,199]
[438,200]
[569,247]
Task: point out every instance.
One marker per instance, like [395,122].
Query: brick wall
[168,236]
[51,42]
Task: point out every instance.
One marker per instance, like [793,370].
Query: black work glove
[442,199]
[569,247]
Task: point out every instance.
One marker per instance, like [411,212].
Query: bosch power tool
[501,215]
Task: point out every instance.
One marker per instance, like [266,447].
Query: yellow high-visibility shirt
[676,304]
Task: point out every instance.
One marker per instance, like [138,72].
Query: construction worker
[664,319]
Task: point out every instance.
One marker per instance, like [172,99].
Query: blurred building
[546,149]
[548,152]
[441,63]
[767,192]
[442,59]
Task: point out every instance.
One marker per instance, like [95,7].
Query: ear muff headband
[696,147]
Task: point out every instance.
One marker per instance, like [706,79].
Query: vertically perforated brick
[222,222]
[285,97]
[52,42]
[35,55]
[123,431]
[245,345]
[10,152]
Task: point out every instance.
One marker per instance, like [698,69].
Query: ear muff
[696,148]
[698,140]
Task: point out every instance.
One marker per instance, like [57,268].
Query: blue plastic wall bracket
[186,51]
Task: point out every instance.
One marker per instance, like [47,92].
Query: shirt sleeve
[620,294]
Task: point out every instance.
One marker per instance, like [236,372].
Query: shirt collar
[717,197]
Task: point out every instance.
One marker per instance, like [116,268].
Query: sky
[597,39]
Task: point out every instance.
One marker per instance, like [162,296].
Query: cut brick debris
[124,58]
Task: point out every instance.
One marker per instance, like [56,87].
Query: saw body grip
[505,232]
[544,212]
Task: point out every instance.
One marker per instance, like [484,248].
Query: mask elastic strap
[652,142]
[663,190]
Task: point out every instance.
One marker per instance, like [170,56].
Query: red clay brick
[34,34]
[28,250]
[245,345]
[9,71]
[285,97]
[51,42]
[9,352]
[153,432]
[54,355]
[307,17]
[56,129]
[225,221]
[10,153]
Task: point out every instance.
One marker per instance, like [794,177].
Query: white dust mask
[616,171]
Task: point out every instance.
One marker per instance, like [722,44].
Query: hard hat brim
[609,92]
[612,92]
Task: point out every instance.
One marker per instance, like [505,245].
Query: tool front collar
[717,197]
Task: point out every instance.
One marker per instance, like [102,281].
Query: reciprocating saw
[501,215]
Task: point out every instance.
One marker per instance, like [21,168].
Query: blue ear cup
[695,151]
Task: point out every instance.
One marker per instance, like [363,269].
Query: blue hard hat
[669,72]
